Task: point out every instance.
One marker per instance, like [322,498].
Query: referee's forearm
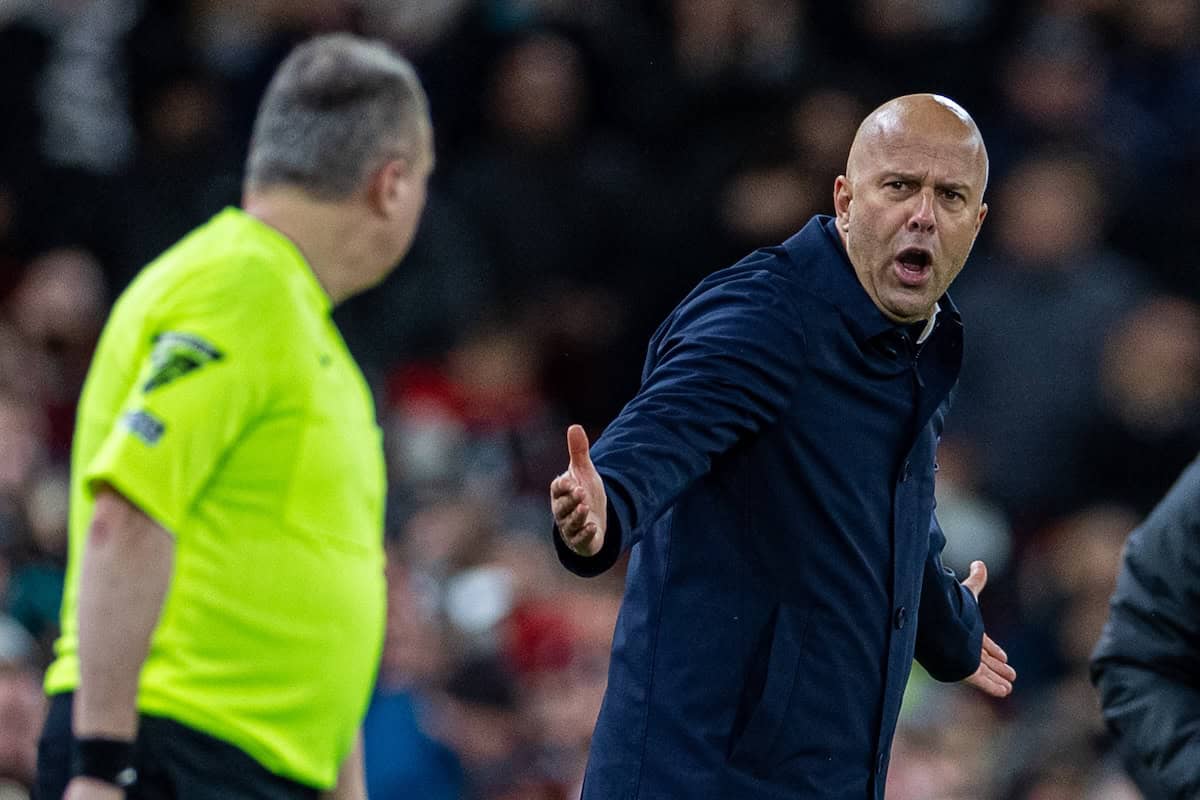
[351,782]
[125,573]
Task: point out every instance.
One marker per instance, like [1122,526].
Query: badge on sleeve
[175,355]
[144,425]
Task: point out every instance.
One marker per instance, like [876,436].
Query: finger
[990,684]
[988,658]
[583,534]
[562,485]
[977,579]
[990,646]
[1000,669]
[995,665]
[1000,682]
[572,523]
[983,684]
[580,540]
[564,505]
[999,675]
[564,523]
[578,448]
[993,656]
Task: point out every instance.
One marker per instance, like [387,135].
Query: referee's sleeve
[199,387]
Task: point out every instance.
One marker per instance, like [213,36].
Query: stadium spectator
[1148,424]
[1030,384]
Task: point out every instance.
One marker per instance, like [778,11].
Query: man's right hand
[578,500]
[89,789]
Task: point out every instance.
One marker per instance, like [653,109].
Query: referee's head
[338,107]
[344,125]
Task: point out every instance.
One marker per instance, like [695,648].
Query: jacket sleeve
[722,368]
[949,625]
[1147,662]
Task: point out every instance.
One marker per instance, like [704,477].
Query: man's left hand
[994,676]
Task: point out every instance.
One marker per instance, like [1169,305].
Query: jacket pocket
[752,746]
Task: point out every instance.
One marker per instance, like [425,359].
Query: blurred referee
[224,609]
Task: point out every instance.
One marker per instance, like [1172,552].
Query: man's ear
[843,194]
[390,185]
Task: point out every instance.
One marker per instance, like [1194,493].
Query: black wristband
[108,760]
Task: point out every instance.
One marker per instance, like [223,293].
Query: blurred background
[595,159]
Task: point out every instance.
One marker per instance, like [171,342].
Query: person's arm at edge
[1155,719]
[126,569]
[1145,663]
[351,781]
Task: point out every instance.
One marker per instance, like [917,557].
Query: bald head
[911,201]
[916,117]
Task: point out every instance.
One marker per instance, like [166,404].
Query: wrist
[104,759]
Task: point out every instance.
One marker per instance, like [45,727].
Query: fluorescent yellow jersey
[223,402]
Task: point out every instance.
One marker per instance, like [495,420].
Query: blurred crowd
[595,159]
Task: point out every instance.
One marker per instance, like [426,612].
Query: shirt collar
[930,324]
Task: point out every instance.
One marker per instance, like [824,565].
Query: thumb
[577,446]
[977,579]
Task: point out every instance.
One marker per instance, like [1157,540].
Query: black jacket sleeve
[1147,663]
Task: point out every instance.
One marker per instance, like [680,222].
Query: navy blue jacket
[773,479]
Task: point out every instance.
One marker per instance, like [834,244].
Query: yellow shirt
[223,402]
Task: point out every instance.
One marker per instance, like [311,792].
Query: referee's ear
[396,187]
[386,189]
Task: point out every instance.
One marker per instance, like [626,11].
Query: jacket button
[879,764]
[905,472]
[899,617]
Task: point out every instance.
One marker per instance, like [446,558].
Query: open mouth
[912,265]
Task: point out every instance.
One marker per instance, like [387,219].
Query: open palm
[994,676]
[578,500]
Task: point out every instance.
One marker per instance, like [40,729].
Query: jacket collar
[832,274]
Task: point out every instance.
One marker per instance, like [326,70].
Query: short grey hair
[338,107]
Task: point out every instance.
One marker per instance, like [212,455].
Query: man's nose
[921,220]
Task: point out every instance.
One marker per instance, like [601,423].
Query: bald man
[772,482]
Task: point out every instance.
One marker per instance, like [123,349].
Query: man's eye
[950,194]
[897,185]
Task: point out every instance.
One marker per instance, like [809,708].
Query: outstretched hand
[994,676]
[578,500]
